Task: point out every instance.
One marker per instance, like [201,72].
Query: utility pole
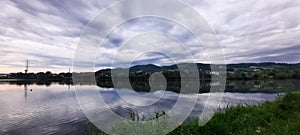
[26,67]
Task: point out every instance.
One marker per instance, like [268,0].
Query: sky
[47,32]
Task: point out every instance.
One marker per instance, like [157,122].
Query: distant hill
[265,64]
[206,67]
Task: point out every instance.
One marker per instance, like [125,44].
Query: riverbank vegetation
[281,116]
[242,71]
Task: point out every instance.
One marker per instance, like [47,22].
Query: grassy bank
[279,117]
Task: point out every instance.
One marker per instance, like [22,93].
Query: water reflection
[53,107]
[253,86]
[46,110]
[25,91]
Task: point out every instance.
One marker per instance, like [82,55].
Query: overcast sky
[46,33]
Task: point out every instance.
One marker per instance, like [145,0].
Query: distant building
[255,69]
[3,75]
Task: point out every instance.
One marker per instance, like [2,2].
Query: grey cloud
[47,31]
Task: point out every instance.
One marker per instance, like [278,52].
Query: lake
[37,108]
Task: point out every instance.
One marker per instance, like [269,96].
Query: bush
[281,116]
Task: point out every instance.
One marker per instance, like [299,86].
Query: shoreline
[280,116]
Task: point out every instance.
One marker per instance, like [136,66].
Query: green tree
[273,72]
[257,76]
[281,75]
[296,74]
[243,75]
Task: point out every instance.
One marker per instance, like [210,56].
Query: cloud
[46,32]
[250,30]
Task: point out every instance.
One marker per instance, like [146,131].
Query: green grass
[279,117]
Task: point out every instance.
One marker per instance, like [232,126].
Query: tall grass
[279,117]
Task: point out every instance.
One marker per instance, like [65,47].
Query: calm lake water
[54,109]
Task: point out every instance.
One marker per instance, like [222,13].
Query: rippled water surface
[54,109]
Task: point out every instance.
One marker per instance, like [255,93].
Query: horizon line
[289,63]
